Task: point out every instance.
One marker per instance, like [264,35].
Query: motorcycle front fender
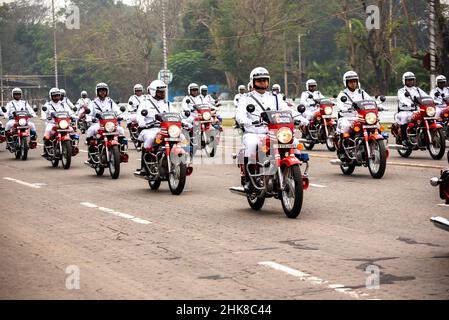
[65,137]
[436,125]
[290,161]
[375,136]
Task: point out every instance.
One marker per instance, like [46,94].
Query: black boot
[404,135]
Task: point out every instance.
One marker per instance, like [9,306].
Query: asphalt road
[117,239]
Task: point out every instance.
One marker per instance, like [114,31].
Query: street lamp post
[54,43]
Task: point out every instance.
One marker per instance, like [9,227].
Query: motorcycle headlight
[174,131]
[328,110]
[206,116]
[284,135]
[431,111]
[371,118]
[22,122]
[63,124]
[109,126]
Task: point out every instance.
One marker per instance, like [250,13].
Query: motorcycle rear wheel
[254,202]
[347,170]
[154,184]
[99,170]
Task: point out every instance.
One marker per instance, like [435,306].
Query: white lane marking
[443,205]
[317,185]
[116,213]
[85,151]
[31,185]
[306,277]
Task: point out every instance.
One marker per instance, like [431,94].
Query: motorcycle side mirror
[158,117]
[86,111]
[35,109]
[437,94]
[407,94]
[122,109]
[98,116]
[188,101]
[130,103]
[144,113]
[237,100]
[44,109]
[335,96]
[343,99]
[310,96]
[187,113]
[285,98]
[250,108]
[117,102]
[75,109]
[301,108]
[4,109]
[382,99]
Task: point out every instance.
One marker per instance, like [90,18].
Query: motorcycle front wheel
[292,195]
[114,162]
[17,151]
[437,146]
[378,162]
[66,156]
[24,146]
[330,139]
[177,178]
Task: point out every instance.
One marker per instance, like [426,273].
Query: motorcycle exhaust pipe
[138,174]
[441,223]
[396,147]
[238,190]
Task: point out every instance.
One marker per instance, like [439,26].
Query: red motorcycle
[276,172]
[423,131]
[167,160]
[443,183]
[444,117]
[63,143]
[322,127]
[206,130]
[106,151]
[20,141]
[364,144]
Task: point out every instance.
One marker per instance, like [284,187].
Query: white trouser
[49,129]
[345,123]
[403,117]
[149,135]
[440,108]
[93,130]
[251,141]
[308,114]
[10,124]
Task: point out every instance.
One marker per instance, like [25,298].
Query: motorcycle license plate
[284,146]
[328,117]
[430,118]
[173,139]
[374,126]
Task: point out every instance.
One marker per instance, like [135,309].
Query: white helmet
[192,86]
[312,82]
[259,73]
[54,92]
[276,87]
[350,75]
[83,93]
[156,85]
[408,76]
[241,87]
[138,87]
[440,78]
[203,87]
[250,86]
[16,90]
[63,93]
[101,85]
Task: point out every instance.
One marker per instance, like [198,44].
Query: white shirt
[55,107]
[353,96]
[267,100]
[136,102]
[100,106]
[18,105]
[407,103]
[193,101]
[207,99]
[153,107]
[237,98]
[67,101]
[439,100]
[309,103]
